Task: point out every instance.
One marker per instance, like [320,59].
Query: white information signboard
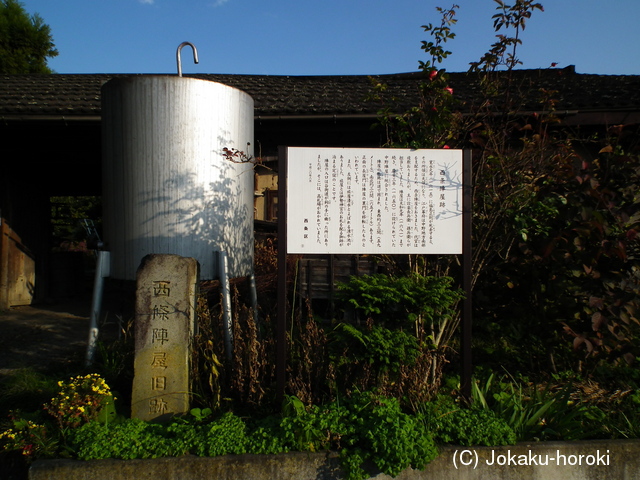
[374,200]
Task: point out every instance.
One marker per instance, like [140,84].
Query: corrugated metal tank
[166,186]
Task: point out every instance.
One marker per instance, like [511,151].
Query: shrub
[400,346]
[454,424]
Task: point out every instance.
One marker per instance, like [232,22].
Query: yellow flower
[9,434]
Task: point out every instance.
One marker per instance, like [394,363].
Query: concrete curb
[587,460]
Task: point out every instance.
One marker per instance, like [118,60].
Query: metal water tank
[166,186]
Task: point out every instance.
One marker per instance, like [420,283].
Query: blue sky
[328,37]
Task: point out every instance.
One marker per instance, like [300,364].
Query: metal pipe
[179,60]
[4,263]
[254,295]
[102,271]
[226,304]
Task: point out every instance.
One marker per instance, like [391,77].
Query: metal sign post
[467,278]
[281,325]
[374,201]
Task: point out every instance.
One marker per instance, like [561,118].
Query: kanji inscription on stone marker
[165,319]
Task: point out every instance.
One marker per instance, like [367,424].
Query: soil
[47,337]
[43,337]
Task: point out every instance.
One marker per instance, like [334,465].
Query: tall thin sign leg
[465,343]
[281,329]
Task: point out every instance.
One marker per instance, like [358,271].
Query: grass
[26,389]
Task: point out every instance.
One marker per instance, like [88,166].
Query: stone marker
[164,326]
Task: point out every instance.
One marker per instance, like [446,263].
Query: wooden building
[50,142]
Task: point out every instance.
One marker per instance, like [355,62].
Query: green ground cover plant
[369,430]
[453,423]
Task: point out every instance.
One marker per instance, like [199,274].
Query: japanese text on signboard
[374,201]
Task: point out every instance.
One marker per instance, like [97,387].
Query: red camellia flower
[449,89]
[433,74]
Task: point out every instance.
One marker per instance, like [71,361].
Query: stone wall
[602,460]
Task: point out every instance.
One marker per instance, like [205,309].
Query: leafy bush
[465,426]
[556,211]
[365,427]
[378,346]
[400,347]
[401,301]
[391,439]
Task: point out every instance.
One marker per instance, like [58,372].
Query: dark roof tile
[79,95]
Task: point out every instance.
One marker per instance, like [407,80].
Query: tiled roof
[79,95]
